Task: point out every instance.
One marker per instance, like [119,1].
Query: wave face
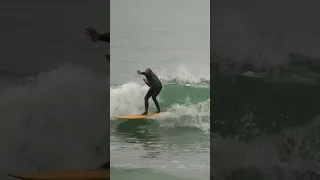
[265,83]
[185,101]
[265,127]
[54,120]
[176,143]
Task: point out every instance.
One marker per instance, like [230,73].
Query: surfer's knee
[154,98]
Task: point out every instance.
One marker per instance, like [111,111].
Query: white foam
[57,121]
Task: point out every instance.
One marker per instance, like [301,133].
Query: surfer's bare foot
[145,113]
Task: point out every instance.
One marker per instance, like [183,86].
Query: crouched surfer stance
[155,87]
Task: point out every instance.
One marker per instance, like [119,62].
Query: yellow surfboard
[137,117]
[66,175]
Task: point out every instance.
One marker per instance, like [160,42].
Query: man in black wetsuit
[96,36]
[155,87]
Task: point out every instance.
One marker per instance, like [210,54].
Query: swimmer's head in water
[148,71]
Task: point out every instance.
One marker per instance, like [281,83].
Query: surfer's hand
[138,72]
[93,34]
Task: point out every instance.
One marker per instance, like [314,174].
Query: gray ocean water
[171,38]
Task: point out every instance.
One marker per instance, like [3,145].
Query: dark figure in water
[155,87]
[96,36]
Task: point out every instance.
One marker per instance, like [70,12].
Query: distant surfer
[96,36]
[155,87]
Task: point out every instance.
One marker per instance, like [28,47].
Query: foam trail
[183,75]
[128,99]
[187,115]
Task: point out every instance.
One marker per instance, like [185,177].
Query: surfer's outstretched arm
[96,36]
[147,83]
[105,37]
[143,73]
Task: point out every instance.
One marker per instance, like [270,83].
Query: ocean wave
[262,129]
[290,154]
[184,101]
[293,64]
[54,120]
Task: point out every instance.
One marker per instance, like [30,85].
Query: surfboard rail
[65,175]
[136,117]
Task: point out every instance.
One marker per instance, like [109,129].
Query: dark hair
[148,69]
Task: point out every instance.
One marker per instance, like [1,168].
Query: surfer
[105,37]
[96,36]
[155,87]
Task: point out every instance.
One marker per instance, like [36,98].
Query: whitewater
[175,143]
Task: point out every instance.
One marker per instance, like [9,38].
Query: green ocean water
[265,128]
[174,145]
[174,42]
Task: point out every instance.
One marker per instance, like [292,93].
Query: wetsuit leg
[105,165]
[146,100]
[154,97]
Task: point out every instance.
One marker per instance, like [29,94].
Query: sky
[241,28]
[39,36]
[160,34]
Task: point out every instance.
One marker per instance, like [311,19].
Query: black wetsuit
[105,38]
[105,165]
[155,88]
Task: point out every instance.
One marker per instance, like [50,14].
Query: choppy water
[265,127]
[54,120]
[173,40]
[174,144]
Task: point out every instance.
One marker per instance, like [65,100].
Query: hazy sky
[160,34]
[160,14]
[271,26]
[38,35]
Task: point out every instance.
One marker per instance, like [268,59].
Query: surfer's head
[148,71]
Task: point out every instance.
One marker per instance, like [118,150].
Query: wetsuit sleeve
[105,37]
[143,73]
[147,83]
[108,57]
